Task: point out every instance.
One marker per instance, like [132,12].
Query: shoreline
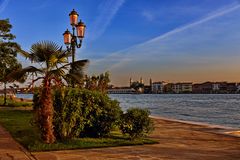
[218,129]
[194,123]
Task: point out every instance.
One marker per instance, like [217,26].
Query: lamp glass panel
[80,31]
[67,38]
[74,19]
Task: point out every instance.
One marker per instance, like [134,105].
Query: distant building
[182,88]
[121,90]
[207,87]
[215,87]
[168,88]
[238,87]
[148,88]
[157,87]
[197,88]
[176,88]
[186,87]
[232,88]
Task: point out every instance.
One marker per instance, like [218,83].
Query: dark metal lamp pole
[70,39]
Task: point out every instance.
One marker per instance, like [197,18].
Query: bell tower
[130,82]
[141,80]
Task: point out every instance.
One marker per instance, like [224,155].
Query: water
[25,96]
[219,109]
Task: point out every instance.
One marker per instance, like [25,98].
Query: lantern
[73,17]
[67,37]
[81,29]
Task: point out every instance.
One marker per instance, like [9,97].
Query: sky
[166,40]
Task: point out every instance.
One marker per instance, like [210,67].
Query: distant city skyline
[146,81]
[175,41]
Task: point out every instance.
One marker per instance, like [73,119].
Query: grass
[15,103]
[18,123]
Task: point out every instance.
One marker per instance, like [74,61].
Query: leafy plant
[136,123]
[80,112]
[104,115]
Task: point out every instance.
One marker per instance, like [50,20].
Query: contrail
[118,57]
[206,19]
[3,5]
[109,9]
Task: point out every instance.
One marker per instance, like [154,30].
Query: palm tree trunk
[46,113]
[5,93]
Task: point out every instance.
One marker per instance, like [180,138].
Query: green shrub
[80,112]
[105,113]
[136,123]
[68,114]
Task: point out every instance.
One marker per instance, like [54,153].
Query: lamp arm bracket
[80,44]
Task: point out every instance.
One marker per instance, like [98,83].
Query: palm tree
[54,66]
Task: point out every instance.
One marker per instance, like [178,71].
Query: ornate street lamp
[71,40]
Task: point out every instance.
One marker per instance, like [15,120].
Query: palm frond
[25,54]
[18,74]
[57,73]
[78,77]
[42,51]
[80,64]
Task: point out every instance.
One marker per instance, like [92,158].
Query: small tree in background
[137,86]
[8,55]
[98,83]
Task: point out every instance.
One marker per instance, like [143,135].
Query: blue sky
[171,40]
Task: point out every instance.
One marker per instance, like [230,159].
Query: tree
[99,83]
[137,86]
[103,81]
[8,55]
[53,69]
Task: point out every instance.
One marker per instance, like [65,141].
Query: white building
[157,87]
[216,86]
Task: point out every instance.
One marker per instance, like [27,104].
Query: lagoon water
[219,109]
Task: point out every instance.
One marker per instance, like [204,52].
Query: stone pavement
[11,150]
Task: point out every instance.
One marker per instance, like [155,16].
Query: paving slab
[10,149]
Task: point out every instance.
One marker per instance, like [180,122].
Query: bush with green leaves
[80,112]
[136,123]
[85,113]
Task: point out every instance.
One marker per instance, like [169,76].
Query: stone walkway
[11,150]
[177,141]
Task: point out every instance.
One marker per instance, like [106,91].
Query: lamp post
[72,40]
